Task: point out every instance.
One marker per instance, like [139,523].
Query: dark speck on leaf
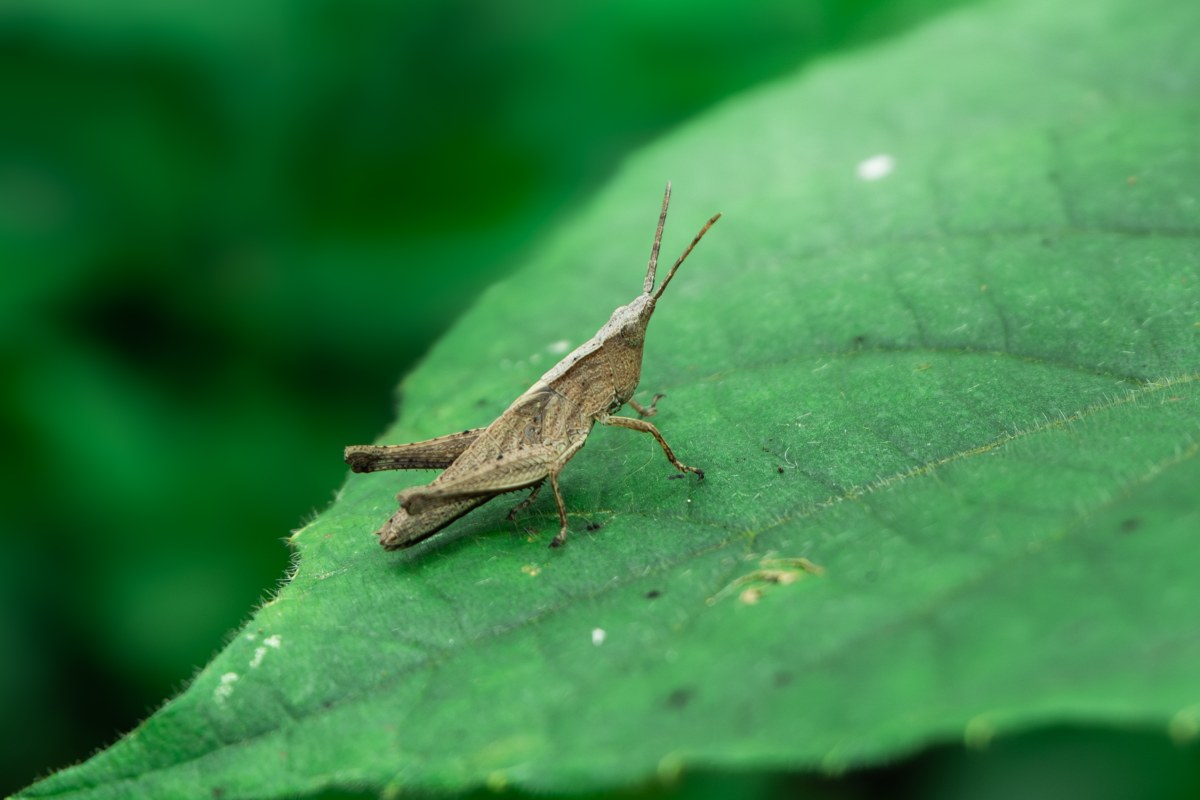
[653,593]
[779,469]
[593,526]
[679,698]
[1130,525]
[675,477]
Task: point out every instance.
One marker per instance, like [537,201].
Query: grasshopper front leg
[646,427]
[646,411]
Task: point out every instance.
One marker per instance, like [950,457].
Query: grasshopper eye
[633,334]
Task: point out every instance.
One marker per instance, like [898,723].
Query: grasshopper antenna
[648,286]
[675,266]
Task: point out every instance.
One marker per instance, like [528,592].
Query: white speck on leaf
[875,167]
[559,347]
[271,642]
[225,688]
[598,635]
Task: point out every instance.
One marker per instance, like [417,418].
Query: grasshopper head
[625,332]
[622,339]
[626,327]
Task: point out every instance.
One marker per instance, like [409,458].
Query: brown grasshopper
[535,438]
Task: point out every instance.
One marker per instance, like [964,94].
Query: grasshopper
[539,433]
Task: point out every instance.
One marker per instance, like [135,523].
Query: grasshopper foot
[684,469]
[560,539]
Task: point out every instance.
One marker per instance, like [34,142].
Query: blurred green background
[226,231]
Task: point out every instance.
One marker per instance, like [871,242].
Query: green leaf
[966,389]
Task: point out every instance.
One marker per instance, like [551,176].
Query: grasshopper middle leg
[521,506]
